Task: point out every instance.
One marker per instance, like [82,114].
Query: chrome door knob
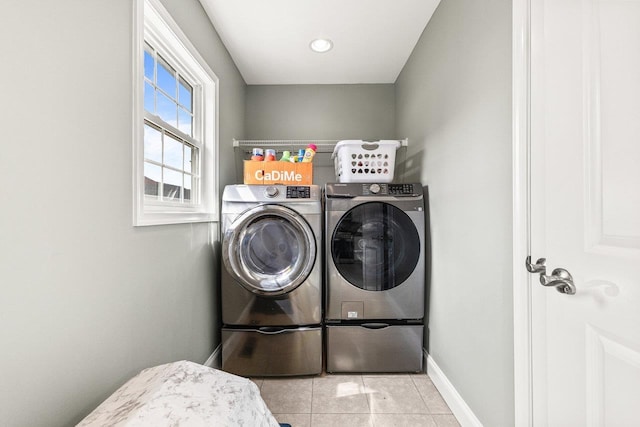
[560,278]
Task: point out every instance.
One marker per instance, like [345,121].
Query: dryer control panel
[298,192]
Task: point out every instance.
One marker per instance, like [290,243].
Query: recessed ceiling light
[321,45]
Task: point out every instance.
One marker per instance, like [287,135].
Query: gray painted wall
[320,112]
[453,102]
[86,299]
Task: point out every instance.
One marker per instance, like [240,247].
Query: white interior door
[585,205]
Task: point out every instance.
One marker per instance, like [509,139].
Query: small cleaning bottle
[309,153]
[257,155]
[269,155]
[285,156]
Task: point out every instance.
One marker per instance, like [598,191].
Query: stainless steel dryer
[375,277]
[271,280]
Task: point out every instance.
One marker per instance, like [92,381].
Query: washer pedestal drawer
[272,351]
[374,348]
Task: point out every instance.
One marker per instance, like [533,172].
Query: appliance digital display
[400,189]
[298,192]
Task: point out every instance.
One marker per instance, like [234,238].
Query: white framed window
[175,124]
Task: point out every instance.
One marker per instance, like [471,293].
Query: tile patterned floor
[382,400]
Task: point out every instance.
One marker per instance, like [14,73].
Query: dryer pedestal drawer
[356,348]
[272,351]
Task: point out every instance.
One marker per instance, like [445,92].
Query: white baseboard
[458,406]
[214,360]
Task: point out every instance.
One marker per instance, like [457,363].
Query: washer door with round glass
[269,250]
[375,246]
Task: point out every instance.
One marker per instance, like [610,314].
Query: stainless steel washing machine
[271,280]
[375,277]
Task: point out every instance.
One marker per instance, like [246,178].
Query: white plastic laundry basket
[362,161]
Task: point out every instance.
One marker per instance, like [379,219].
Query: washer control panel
[349,190]
[298,192]
[374,188]
[388,190]
[401,189]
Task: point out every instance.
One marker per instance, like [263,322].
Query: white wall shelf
[322,161]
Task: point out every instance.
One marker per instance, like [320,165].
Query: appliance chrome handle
[271,330]
[375,325]
[560,278]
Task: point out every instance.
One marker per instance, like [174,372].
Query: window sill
[164,218]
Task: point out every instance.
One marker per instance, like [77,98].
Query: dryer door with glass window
[375,246]
[269,249]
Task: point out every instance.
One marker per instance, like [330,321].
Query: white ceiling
[269,39]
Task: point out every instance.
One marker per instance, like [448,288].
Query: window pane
[188,185]
[172,185]
[185,95]
[189,157]
[167,79]
[149,93]
[184,121]
[152,144]
[151,179]
[148,65]
[172,152]
[167,109]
